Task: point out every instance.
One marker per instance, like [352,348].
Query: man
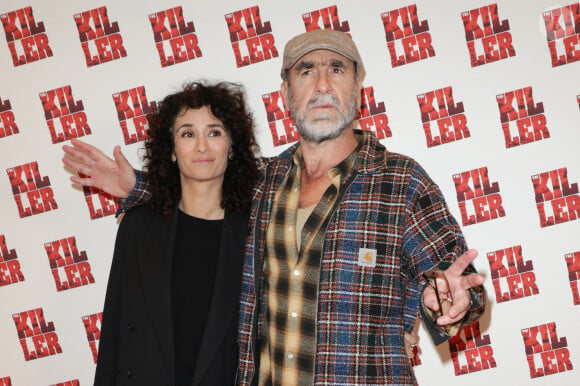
[344,233]
[340,227]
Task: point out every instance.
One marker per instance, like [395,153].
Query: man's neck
[319,158]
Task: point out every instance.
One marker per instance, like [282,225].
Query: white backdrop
[499,133]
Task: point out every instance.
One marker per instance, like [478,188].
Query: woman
[170,313]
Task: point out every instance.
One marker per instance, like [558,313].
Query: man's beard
[317,131]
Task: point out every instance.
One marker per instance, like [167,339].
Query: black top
[195,260]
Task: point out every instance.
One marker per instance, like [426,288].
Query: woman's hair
[226,101]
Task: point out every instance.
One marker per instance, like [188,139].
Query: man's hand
[453,288]
[411,342]
[115,177]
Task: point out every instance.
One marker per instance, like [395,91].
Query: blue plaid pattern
[392,207]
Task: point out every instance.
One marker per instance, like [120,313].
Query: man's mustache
[323,100]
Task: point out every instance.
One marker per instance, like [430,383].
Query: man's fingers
[81,181]
[77,166]
[120,158]
[454,290]
[430,299]
[71,163]
[472,280]
[461,299]
[67,161]
[462,262]
[411,341]
[88,152]
[447,319]
[79,155]
[83,146]
[459,307]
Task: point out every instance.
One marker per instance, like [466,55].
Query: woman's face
[201,146]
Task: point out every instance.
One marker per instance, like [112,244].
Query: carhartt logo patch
[367,257]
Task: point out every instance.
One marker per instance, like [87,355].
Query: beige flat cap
[321,39]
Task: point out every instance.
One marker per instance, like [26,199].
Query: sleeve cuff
[138,196]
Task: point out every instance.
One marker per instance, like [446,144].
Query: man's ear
[359,86]
[284,92]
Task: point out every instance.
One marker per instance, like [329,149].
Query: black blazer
[136,344]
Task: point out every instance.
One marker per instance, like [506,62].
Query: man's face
[322,94]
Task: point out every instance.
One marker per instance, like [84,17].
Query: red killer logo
[545,352]
[371,116]
[252,40]
[9,266]
[92,325]
[573,263]
[174,38]
[471,351]
[509,271]
[100,40]
[408,39]
[38,339]
[563,34]
[132,110]
[26,39]
[32,193]
[488,39]
[578,100]
[451,123]
[100,204]
[415,359]
[7,122]
[74,382]
[522,117]
[279,119]
[5,381]
[557,201]
[64,116]
[486,201]
[70,269]
[325,18]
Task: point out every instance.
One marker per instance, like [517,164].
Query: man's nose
[323,82]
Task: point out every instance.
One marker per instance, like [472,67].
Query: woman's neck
[202,200]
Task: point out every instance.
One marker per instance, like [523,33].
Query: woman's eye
[187,134]
[215,133]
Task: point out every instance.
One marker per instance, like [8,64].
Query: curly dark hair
[226,101]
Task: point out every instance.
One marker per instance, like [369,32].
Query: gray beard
[309,130]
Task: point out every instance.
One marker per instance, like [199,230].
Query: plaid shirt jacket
[392,207]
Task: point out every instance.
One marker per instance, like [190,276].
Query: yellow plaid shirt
[288,353]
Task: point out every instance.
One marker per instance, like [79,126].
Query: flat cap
[321,39]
